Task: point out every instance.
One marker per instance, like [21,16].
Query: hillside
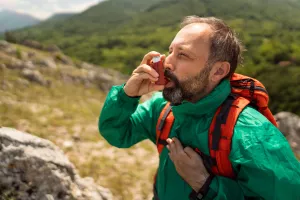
[59,99]
[58,17]
[10,20]
[117,33]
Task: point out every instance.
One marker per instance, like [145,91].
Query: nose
[169,62]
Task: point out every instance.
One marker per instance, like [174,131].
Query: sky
[43,9]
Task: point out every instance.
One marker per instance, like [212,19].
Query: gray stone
[28,65]
[289,125]
[35,169]
[52,48]
[63,59]
[4,44]
[34,76]
[48,63]
[33,44]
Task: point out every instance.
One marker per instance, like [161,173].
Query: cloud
[45,8]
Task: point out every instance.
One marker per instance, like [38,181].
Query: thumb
[190,152]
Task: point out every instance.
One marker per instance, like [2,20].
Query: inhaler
[158,66]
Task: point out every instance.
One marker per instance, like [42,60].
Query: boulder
[289,125]
[35,76]
[52,48]
[63,59]
[48,63]
[7,48]
[4,44]
[33,44]
[32,168]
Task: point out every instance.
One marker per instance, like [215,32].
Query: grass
[66,111]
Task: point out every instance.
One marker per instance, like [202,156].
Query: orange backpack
[244,91]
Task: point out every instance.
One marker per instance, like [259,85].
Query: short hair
[225,46]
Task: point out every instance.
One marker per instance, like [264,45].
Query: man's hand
[188,163]
[143,78]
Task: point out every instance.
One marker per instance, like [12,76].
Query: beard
[189,89]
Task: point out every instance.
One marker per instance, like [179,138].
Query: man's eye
[182,55]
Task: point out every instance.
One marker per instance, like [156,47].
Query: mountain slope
[43,95]
[59,17]
[117,33]
[10,20]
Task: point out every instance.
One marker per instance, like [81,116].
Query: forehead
[194,37]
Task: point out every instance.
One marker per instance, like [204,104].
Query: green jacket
[261,156]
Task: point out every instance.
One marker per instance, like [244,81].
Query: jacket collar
[205,105]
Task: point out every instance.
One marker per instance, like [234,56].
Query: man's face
[186,65]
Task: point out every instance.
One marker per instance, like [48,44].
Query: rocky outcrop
[32,168]
[34,65]
[35,76]
[289,125]
[33,44]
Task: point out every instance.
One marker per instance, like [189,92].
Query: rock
[32,168]
[87,66]
[104,77]
[68,144]
[52,48]
[28,65]
[4,44]
[48,62]
[15,64]
[31,54]
[34,76]
[33,44]
[63,59]
[289,125]
[104,81]
[7,47]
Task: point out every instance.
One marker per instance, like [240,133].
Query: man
[202,57]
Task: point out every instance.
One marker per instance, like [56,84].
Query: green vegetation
[117,33]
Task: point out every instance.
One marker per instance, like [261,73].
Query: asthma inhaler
[157,65]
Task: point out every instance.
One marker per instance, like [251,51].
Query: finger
[147,69]
[169,140]
[190,152]
[163,57]
[172,148]
[178,145]
[145,76]
[149,56]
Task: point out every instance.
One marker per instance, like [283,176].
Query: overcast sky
[45,8]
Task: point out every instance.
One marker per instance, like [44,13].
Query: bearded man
[202,58]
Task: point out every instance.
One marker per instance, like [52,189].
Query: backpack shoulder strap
[221,133]
[163,127]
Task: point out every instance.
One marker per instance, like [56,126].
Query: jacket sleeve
[265,164]
[124,122]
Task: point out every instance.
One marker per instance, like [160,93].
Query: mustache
[169,74]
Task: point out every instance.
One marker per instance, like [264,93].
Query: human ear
[219,71]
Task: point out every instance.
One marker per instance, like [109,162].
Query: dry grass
[69,112]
